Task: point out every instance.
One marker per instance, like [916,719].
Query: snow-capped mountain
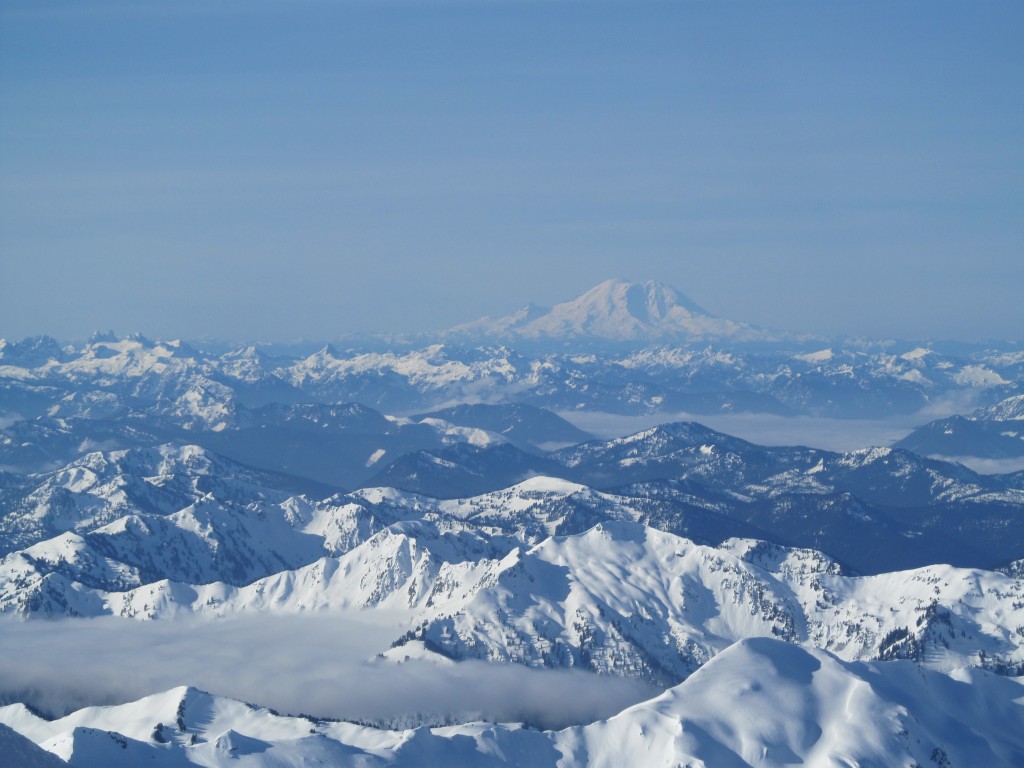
[613,311]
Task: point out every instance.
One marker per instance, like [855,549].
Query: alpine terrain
[428,550]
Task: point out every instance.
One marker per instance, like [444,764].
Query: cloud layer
[322,666]
[769,429]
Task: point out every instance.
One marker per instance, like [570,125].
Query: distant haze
[278,170]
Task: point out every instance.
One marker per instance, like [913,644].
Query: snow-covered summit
[615,310]
[760,703]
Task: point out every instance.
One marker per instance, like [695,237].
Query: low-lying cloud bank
[986,466]
[321,666]
[815,432]
[763,428]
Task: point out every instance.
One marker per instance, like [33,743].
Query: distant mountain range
[180,386]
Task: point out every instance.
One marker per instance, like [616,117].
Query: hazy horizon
[413,335]
[278,170]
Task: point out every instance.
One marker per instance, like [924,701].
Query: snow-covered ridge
[681,477]
[1010,409]
[619,598]
[760,703]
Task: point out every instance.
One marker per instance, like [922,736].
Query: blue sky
[278,170]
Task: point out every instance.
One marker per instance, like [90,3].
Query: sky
[272,170]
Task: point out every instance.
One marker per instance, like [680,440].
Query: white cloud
[987,466]
[315,665]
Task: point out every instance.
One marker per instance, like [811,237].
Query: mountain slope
[763,703]
[620,599]
[24,753]
[525,426]
[464,470]
[862,506]
[994,432]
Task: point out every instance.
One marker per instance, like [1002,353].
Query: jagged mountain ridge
[154,383]
[862,507]
[103,486]
[525,577]
[337,445]
[210,540]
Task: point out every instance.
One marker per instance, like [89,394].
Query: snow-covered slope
[208,541]
[22,752]
[764,703]
[1010,409]
[103,486]
[620,598]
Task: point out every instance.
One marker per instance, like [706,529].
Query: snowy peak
[624,309]
[614,311]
